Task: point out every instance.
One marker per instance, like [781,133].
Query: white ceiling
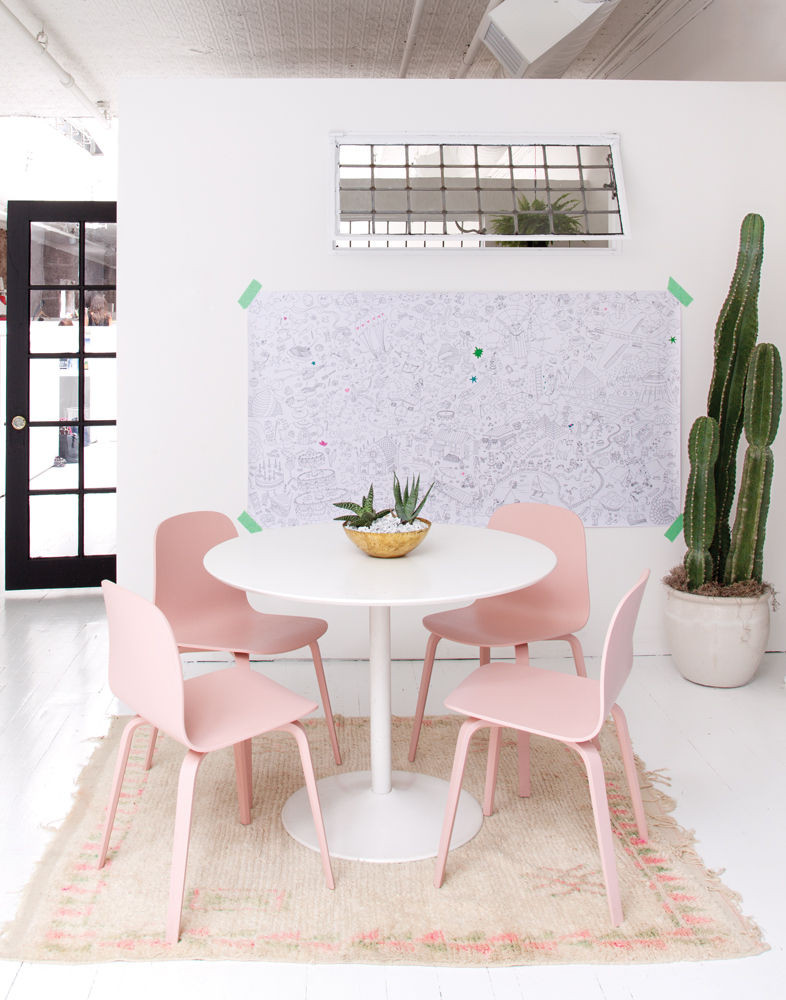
[100,42]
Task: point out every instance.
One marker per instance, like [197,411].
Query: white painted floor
[725,752]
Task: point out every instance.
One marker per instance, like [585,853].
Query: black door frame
[22,572]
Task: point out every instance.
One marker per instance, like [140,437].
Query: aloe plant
[361,515]
[699,515]
[406,503]
[763,392]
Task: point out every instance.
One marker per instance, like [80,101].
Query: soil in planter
[677,579]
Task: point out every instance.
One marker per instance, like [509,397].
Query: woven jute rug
[526,890]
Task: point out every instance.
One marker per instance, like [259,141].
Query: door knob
[19,423]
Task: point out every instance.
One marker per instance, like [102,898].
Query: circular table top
[318,563]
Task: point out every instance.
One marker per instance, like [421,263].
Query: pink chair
[206,614]
[561,707]
[221,709]
[555,608]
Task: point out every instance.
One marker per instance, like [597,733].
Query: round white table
[381,814]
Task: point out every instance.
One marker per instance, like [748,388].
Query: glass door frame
[22,571]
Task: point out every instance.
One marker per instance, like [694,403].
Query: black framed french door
[61,457]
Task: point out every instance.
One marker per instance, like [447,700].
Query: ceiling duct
[542,37]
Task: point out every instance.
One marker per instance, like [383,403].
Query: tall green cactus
[763,393]
[699,515]
[735,336]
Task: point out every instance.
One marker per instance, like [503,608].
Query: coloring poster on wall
[568,398]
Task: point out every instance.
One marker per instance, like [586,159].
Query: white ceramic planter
[717,641]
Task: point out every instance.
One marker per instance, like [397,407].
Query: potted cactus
[717,602]
[392,532]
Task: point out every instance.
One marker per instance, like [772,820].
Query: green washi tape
[248,522]
[672,532]
[250,294]
[679,293]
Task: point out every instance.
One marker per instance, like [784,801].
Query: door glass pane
[54,525]
[100,253]
[100,318]
[54,458]
[54,389]
[100,456]
[100,389]
[54,253]
[54,320]
[100,524]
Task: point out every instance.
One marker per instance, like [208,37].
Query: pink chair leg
[117,783]
[578,655]
[243,779]
[522,747]
[150,749]
[600,809]
[626,750]
[492,766]
[323,691]
[183,811]
[425,680]
[467,731]
[297,730]
[484,655]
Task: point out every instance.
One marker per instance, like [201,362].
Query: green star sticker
[473,378]
[672,340]
[478,352]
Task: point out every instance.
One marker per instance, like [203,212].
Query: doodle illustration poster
[571,398]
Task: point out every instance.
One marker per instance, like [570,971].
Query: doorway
[61,457]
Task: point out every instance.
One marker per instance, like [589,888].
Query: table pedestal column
[379,699]
[381,814]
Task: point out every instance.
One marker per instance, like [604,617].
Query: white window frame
[557,242]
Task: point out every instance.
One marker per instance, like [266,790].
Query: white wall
[225,181]
[724,40]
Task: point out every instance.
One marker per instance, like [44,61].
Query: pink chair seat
[225,707]
[561,707]
[221,709]
[554,608]
[545,702]
[206,614]
[246,632]
[499,621]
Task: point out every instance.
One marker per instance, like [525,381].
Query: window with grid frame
[542,191]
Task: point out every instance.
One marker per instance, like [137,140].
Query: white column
[379,690]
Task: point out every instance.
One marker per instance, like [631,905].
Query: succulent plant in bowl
[406,503]
[389,533]
[362,515]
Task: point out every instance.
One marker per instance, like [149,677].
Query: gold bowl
[388,544]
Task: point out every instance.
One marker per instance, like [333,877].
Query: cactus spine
[763,393]
[699,515]
[735,337]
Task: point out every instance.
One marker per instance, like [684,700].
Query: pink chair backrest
[144,665]
[182,584]
[566,587]
[618,649]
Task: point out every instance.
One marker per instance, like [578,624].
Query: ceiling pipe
[39,43]
[474,45]
[414,24]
